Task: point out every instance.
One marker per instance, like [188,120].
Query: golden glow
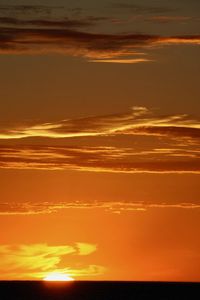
[137,118]
[58,277]
[121,61]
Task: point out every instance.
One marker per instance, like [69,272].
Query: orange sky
[99,140]
[156,244]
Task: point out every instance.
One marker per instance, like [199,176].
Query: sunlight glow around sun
[58,277]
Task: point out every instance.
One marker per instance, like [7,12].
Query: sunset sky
[99,139]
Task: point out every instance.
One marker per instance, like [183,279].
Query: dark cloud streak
[28,9]
[142,9]
[65,23]
[100,159]
[67,41]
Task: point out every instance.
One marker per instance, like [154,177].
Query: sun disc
[58,277]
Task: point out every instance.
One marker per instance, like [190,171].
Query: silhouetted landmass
[97,290]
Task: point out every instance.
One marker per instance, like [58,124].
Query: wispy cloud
[170,19]
[173,150]
[35,261]
[20,40]
[67,31]
[142,9]
[121,61]
[117,207]
[101,159]
[50,23]
[139,121]
[29,10]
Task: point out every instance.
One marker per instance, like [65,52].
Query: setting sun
[58,277]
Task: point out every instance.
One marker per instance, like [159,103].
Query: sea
[98,290]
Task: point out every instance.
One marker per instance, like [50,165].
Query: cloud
[121,61]
[28,9]
[38,260]
[91,46]
[51,23]
[117,207]
[170,19]
[94,159]
[86,249]
[176,131]
[174,146]
[139,121]
[101,159]
[141,9]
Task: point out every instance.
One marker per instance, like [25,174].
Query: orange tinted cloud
[139,120]
[174,148]
[38,260]
[168,19]
[121,61]
[16,40]
[101,159]
[9,209]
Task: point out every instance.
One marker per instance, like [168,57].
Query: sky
[99,140]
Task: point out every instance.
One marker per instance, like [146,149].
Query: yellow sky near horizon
[156,244]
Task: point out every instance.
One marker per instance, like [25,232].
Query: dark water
[86,290]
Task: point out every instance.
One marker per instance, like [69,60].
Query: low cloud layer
[30,208]
[36,261]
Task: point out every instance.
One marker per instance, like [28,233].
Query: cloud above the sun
[117,207]
[35,261]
